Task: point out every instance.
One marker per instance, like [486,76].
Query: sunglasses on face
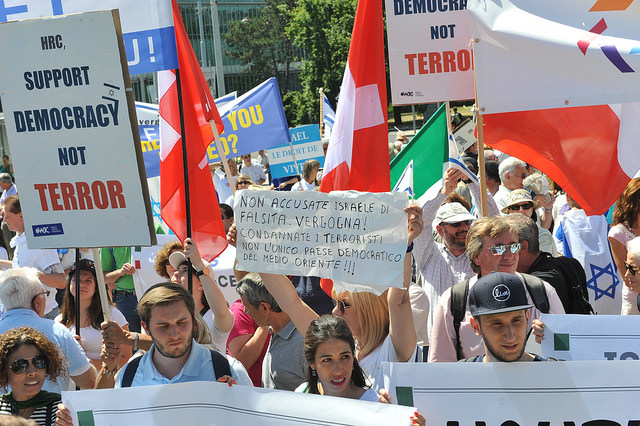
[632,269]
[517,207]
[19,366]
[459,224]
[341,304]
[500,249]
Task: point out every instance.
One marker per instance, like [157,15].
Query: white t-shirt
[91,337]
[218,338]
[303,185]
[254,171]
[372,363]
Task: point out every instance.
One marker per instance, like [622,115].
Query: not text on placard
[346,235]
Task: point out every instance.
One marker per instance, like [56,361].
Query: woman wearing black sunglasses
[27,359]
[520,201]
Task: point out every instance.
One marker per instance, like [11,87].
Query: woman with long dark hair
[90,311]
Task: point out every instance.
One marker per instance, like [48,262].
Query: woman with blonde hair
[310,171]
[626,226]
[382,325]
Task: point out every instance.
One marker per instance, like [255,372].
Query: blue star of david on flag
[597,272]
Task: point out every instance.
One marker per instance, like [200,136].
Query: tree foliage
[322,28]
[262,44]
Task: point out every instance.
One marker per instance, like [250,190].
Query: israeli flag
[328,116]
[456,162]
[405,183]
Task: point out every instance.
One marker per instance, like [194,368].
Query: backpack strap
[538,293]
[458,307]
[220,363]
[130,372]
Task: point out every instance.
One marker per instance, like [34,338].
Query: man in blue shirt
[24,300]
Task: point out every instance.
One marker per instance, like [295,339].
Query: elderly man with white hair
[24,300]
[512,172]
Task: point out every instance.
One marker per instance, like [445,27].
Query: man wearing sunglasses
[445,264]
[253,169]
[25,300]
[492,246]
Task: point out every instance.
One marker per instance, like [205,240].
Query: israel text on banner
[518,393]
[591,337]
[70,123]
[198,111]
[306,146]
[536,55]
[429,150]
[252,122]
[430,57]
[202,402]
[358,141]
[348,236]
[147,26]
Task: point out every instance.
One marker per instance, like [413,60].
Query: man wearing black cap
[500,314]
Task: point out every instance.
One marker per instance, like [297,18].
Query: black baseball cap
[83,264]
[497,293]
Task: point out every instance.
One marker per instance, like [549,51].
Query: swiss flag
[590,151]
[358,152]
[198,108]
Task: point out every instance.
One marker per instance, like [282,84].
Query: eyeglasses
[459,224]
[632,269]
[246,156]
[500,249]
[45,292]
[517,207]
[341,304]
[19,366]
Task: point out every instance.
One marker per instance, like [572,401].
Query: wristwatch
[205,271]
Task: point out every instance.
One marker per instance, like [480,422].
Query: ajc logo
[610,51]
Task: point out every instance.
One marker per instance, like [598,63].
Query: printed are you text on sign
[347,236]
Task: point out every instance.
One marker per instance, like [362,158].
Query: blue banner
[147,26]
[306,146]
[252,122]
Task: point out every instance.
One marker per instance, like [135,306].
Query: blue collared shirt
[197,368]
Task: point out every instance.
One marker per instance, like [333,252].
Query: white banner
[518,393]
[349,236]
[591,337]
[71,126]
[147,26]
[430,56]
[549,54]
[210,403]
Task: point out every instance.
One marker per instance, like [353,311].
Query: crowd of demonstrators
[626,226]
[442,265]
[382,325]
[492,245]
[27,359]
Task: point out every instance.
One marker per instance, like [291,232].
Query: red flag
[358,153]
[591,152]
[198,108]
